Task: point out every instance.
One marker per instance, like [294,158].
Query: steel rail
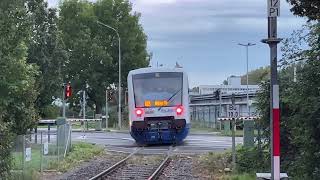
[158,171]
[115,166]
[160,168]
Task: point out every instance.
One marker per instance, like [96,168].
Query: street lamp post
[247,54]
[119,86]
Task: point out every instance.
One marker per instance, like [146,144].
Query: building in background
[234,86]
[205,106]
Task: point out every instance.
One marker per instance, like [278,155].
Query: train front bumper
[163,132]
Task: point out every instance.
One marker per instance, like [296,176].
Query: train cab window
[158,89]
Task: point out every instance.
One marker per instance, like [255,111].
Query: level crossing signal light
[68,91]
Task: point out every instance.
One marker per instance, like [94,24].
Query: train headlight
[139,112]
[179,110]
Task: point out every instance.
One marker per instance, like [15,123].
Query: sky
[203,35]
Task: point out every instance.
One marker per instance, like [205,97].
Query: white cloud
[201,16]
[207,30]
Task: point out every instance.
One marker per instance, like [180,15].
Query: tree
[308,8]
[93,61]
[5,150]
[256,76]
[47,52]
[225,82]
[17,94]
[300,137]
[17,77]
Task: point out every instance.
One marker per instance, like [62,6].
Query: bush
[51,112]
[251,160]
[5,149]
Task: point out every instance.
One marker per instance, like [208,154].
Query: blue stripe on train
[163,137]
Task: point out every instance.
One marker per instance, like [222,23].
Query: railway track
[136,166]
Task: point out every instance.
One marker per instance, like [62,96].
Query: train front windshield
[160,89]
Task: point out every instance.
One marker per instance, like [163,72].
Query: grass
[30,169]
[80,152]
[238,133]
[213,165]
[36,160]
[197,127]
[203,129]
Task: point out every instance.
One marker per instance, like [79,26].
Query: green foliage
[300,136]
[51,111]
[256,76]
[251,160]
[80,152]
[93,59]
[308,8]
[214,162]
[17,83]
[17,77]
[28,174]
[5,147]
[46,51]
[225,82]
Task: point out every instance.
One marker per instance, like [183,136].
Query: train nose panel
[158,132]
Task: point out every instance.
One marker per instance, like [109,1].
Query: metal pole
[233,143]
[247,57]
[41,153]
[107,114]
[68,138]
[220,102]
[84,113]
[84,104]
[233,137]
[49,133]
[272,41]
[23,154]
[247,48]
[294,72]
[119,83]
[119,94]
[63,101]
[220,109]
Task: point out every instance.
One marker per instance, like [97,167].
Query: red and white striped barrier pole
[276,132]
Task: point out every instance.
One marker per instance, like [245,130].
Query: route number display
[273,8]
[233,111]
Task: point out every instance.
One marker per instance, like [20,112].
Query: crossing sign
[233,111]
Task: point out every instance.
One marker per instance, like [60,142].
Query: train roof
[152,69]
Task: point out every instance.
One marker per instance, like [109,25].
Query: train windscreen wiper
[173,95]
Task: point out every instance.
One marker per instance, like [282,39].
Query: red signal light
[139,112]
[179,110]
[68,91]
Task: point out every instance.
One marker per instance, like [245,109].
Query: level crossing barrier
[83,121]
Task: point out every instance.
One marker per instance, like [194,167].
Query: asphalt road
[122,142]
